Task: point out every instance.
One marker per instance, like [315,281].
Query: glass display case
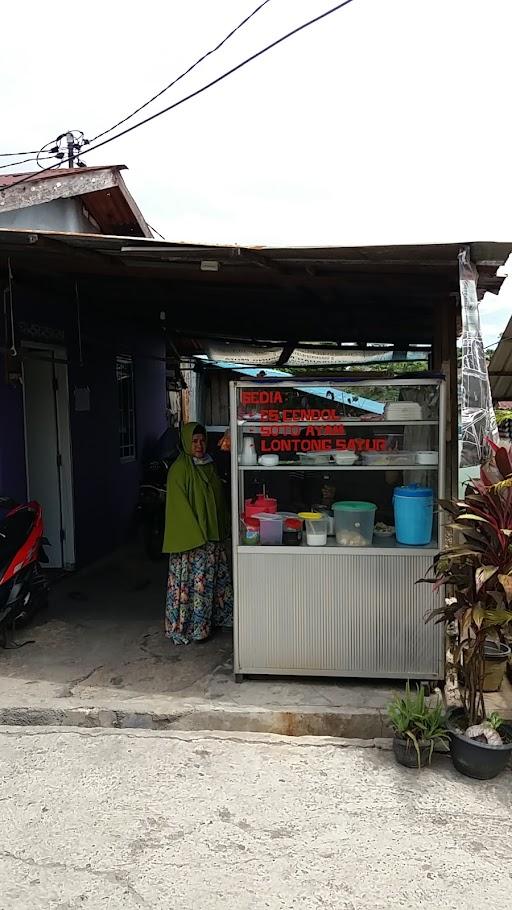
[325,474]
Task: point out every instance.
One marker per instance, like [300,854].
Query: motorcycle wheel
[153,538]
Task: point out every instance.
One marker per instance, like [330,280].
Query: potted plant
[476,576]
[417,727]
[496,657]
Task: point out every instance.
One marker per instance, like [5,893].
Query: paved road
[106,819]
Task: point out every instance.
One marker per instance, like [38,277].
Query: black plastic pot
[474,759]
[406,754]
[496,655]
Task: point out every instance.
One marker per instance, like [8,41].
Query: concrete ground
[100,657]
[196,821]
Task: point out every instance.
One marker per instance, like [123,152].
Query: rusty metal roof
[384,294]
[379,294]
[101,190]
[500,367]
[434,264]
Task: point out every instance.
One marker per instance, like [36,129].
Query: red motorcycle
[23,587]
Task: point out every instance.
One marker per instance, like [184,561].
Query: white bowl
[427,458]
[345,458]
[268,461]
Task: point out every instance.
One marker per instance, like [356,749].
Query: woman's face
[198,445]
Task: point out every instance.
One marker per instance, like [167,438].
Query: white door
[48,449]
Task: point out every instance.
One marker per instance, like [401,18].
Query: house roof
[101,190]
[388,294]
[419,268]
[500,367]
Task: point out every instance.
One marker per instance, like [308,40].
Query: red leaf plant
[476,573]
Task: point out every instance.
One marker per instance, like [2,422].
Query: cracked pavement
[195,821]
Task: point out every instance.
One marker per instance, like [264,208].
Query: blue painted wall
[105,489]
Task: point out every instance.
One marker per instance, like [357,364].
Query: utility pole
[70,140]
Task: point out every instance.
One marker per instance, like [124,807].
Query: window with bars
[126,404]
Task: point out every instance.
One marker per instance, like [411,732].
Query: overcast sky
[385,123]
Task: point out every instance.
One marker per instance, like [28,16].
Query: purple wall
[105,489]
[12,440]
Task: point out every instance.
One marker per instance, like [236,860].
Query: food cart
[349,607]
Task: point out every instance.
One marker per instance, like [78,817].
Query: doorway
[48,447]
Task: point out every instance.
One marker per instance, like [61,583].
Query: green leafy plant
[476,575]
[495,720]
[503,415]
[413,718]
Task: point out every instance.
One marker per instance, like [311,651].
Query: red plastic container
[261,503]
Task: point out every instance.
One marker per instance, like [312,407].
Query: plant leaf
[506,583]
[478,615]
[412,737]
[483,574]
[470,517]
[497,617]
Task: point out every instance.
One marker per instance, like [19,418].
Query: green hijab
[195,511]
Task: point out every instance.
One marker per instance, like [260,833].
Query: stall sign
[330,435]
[287,415]
[328,438]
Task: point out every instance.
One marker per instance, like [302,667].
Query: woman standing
[199,590]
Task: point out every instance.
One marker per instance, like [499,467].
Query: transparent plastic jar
[354,522]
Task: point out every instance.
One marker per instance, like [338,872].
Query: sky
[387,122]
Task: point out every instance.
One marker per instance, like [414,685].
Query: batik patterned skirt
[199,594]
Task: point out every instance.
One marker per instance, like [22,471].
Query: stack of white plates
[403,410]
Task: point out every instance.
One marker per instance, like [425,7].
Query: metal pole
[70,139]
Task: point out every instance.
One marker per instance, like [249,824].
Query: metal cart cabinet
[335,610]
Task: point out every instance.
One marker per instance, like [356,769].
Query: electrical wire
[14,154]
[198,91]
[150,226]
[25,161]
[182,76]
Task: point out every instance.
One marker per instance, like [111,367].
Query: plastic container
[392,459]
[271,531]
[316,532]
[328,514]
[414,514]
[248,456]
[292,532]
[250,532]
[354,523]
[260,503]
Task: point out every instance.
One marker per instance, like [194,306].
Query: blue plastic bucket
[414,514]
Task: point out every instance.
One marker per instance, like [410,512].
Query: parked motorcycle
[23,587]
[152,492]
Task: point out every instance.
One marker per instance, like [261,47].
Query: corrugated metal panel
[500,367]
[346,615]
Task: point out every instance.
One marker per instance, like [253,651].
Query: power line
[142,106]
[185,73]
[198,91]
[150,226]
[14,154]
[25,161]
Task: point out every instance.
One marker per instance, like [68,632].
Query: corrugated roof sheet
[500,367]
[418,270]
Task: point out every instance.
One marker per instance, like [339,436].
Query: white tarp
[478,420]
